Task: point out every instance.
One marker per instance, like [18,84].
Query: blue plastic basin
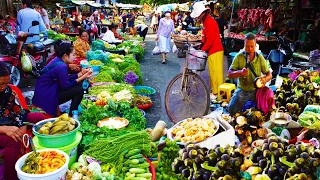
[153,91]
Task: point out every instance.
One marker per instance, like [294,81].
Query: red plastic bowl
[144,107]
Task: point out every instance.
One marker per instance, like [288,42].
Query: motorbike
[12,47]
[280,59]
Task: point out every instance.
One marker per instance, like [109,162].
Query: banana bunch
[63,124]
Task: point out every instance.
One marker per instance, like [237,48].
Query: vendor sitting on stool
[239,68]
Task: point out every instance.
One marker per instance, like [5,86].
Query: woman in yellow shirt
[81,45]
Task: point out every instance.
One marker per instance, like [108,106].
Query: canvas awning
[128,6]
[65,6]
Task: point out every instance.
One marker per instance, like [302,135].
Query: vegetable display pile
[248,126]
[135,166]
[93,114]
[81,173]
[200,163]
[144,91]
[131,78]
[63,124]
[310,120]
[112,89]
[112,47]
[88,168]
[95,63]
[103,97]
[113,150]
[194,130]
[278,160]
[134,49]
[43,162]
[316,80]
[56,36]
[142,100]
[167,156]
[121,69]
[294,96]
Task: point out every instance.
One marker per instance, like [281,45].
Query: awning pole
[229,27]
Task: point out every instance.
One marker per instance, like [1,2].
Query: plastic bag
[65,106]
[98,45]
[156,50]
[97,55]
[174,49]
[26,62]
[312,108]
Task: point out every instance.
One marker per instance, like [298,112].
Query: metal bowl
[57,140]
[280,119]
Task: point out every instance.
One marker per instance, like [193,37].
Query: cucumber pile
[135,166]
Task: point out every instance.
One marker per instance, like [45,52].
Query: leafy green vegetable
[134,49]
[167,156]
[310,120]
[144,91]
[112,70]
[92,115]
[316,80]
[110,150]
[103,76]
[112,89]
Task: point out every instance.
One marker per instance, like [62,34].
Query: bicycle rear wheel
[192,102]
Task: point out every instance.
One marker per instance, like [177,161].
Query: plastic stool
[228,89]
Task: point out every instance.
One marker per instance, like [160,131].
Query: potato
[194,130]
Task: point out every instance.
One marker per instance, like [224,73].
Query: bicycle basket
[197,60]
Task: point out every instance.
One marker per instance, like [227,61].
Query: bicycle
[187,95]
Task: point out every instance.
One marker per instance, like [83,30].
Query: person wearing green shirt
[239,69]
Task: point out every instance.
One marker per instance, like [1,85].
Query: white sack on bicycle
[174,49]
[156,50]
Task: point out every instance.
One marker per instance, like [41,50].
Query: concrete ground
[159,75]
[156,75]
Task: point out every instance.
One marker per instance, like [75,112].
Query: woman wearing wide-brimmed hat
[211,43]
[166,27]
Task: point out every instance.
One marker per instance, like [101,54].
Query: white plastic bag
[174,49]
[156,50]
[26,62]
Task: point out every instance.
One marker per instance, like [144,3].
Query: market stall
[109,139]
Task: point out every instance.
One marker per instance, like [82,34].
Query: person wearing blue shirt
[24,19]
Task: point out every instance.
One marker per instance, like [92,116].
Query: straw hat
[198,8]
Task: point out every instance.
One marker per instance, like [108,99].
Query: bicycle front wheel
[189,101]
